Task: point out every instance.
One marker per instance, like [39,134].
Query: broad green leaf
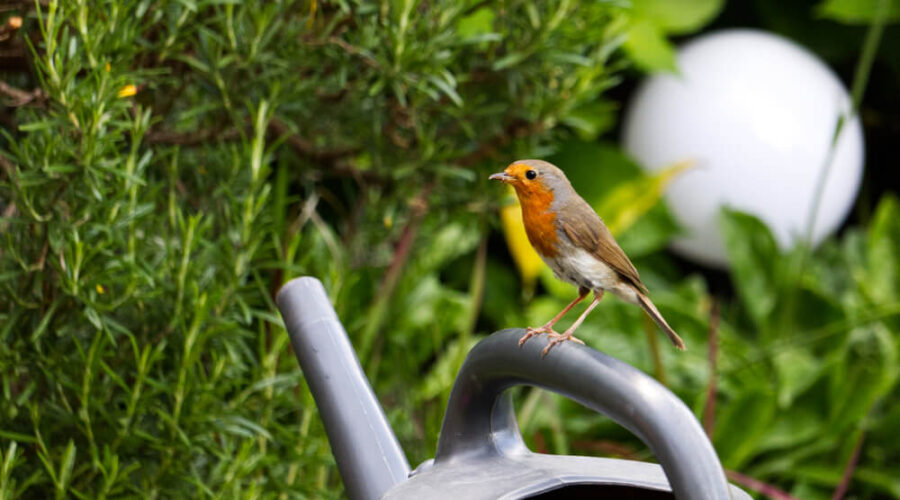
[862,373]
[792,428]
[650,233]
[819,473]
[753,255]
[796,370]
[595,169]
[885,481]
[678,16]
[742,423]
[882,281]
[631,200]
[802,489]
[648,48]
[859,11]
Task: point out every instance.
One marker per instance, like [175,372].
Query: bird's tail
[651,309]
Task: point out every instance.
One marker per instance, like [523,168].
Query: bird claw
[531,332]
[558,338]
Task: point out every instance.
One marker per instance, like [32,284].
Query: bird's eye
[531,174]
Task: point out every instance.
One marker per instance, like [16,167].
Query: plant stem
[860,79]
[378,312]
[709,409]
[841,490]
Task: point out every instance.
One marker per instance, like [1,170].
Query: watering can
[480,452]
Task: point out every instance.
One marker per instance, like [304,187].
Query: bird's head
[534,178]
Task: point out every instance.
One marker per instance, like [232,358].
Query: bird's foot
[531,332]
[558,338]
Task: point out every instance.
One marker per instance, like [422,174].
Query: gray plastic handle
[367,452]
[479,421]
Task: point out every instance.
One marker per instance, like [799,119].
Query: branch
[193,138]
[303,147]
[348,48]
[516,129]
[276,127]
[20,97]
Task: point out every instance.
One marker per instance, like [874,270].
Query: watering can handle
[480,417]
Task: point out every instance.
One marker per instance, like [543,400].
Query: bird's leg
[556,338]
[548,328]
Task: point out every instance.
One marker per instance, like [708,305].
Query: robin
[572,239]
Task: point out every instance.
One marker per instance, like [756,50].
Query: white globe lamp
[756,114]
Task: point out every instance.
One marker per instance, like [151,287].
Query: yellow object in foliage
[128,91]
[620,209]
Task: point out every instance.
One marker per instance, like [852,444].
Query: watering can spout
[367,452]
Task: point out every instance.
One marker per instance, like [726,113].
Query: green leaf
[796,370]
[595,169]
[678,16]
[476,24]
[743,422]
[885,481]
[439,380]
[865,371]
[859,11]
[631,200]
[882,281]
[510,60]
[792,428]
[592,119]
[753,255]
[647,46]
[650,233]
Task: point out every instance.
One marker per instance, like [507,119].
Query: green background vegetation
[143,237]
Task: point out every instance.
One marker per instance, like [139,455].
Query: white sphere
[756,113]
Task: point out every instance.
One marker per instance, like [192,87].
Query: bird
[575,243]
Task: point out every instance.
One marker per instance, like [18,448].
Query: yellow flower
[128,91]
[107,67]
[100,289]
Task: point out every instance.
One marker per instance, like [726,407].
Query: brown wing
[590,233]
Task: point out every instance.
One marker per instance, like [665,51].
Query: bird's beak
[502,177]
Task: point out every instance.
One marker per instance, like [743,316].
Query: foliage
[654,19]
[171,163]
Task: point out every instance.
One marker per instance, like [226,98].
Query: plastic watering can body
[480,452]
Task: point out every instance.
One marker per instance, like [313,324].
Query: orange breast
[539,220]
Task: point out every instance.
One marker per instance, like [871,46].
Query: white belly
[582,269]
